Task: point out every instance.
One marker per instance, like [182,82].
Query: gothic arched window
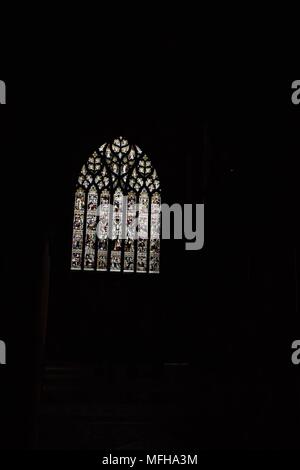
[117,212]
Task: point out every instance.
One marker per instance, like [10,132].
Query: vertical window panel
[90,236]
[155,234]
[78,223]
[102,231]
[131,226]
[117,226]
[142,244]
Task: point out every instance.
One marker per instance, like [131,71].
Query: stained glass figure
[131,235]
[77,247]
[102,231]
[117,227]
[90,236]
[155,233]
[142,245]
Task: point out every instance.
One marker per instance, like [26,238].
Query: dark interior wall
[227,293]
[230,308]
[95,315]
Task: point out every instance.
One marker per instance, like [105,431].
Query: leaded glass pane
[78,223]
[142,244]
[90,237]
[155,233]
[129,246]
[117,226]
[102,231]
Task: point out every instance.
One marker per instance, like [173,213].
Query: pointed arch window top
[119,164]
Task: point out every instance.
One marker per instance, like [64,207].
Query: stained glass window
[116,225]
